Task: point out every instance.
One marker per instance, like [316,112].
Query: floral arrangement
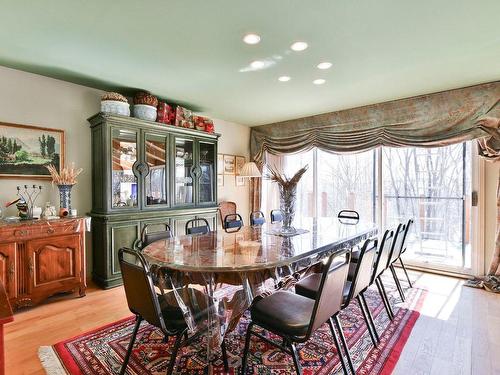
[67,176]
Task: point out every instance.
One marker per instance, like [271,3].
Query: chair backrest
[200,229]
[232,221]
[257,218]
[276,216]
[348,214]
[409,224]
[226,208]
[363,272]
[397,243]
[147,238]
[330,293]
[139,289]
[384,251]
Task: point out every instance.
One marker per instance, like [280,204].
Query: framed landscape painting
[26,150]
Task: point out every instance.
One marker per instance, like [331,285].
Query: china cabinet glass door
[184,167]
[155,182]
[124,157]
[207,172]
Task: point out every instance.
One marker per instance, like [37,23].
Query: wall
[491,172]
[235,140]
[31,99]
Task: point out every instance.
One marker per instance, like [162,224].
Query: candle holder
[29,196]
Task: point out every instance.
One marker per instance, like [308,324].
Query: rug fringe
[50,361]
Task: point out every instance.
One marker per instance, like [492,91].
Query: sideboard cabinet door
[52,263]
[8,268]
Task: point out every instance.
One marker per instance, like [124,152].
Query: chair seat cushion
[284,312]
[172,314]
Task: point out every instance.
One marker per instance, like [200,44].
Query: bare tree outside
[430,185]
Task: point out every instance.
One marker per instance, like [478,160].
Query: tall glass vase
[65,196]
[288,196]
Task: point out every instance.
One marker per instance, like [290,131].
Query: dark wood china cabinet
[143,173]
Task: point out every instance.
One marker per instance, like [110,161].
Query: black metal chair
[295,318]
[397,245]
[150,237]
[348,216]
[358,281]
[199,229]
[403,249]
[380,265]
[257,218]
[146,304]
[276,216]
[232,223]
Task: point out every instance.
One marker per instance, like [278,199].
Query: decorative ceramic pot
[115,107]
[144,97]
[145,112]
[65,196]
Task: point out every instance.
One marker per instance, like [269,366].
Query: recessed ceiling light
[284,79]
[257,64]
[251,39]
[324,65]
[299,46]
[319,81]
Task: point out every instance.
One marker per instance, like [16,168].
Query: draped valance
[425,121]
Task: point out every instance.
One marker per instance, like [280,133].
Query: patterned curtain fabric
[429,120]
[489,149]
[438,119]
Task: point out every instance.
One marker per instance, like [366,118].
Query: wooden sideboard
[40,258]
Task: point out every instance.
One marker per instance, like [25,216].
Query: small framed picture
[220,180]
[220,164]
[229,164]
[240,162]
[240,181]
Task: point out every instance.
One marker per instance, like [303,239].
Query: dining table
[214,277]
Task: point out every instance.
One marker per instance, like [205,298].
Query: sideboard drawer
[53,230]
[37,231]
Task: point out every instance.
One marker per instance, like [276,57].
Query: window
[332,183]
[431,185]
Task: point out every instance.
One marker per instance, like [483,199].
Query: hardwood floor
[457,333]
[59,319]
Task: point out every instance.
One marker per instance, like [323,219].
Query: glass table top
[255,248]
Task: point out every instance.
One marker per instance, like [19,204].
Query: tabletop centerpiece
[64,181]
[287,187]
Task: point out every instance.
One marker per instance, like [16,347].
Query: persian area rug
[101,351]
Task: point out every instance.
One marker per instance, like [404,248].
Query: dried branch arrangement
[287,183]
[67,176]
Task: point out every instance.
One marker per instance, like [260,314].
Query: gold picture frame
[26,150]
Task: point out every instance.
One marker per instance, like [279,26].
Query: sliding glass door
[433,186]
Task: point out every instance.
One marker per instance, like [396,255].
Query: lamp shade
[250,170]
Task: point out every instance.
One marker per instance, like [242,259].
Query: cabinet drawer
[24,233]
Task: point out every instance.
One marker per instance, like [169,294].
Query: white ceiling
[191,51]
